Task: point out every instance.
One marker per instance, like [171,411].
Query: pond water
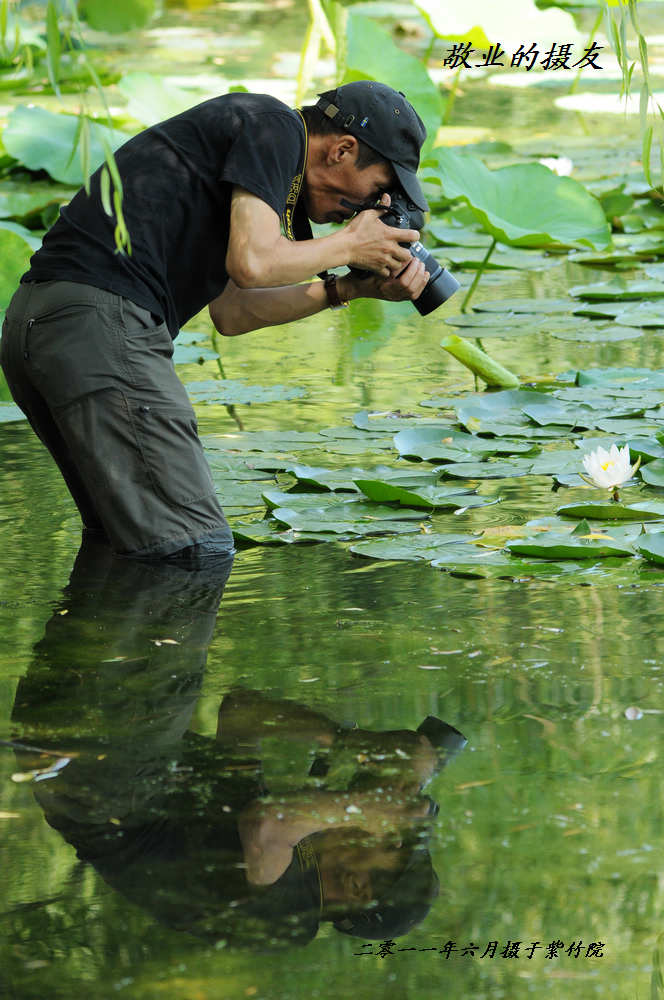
[548,831]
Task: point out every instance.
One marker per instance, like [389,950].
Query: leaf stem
[478,275]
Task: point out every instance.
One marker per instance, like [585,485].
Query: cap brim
[411,186]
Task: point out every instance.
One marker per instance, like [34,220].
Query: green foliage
[370,53]
[524,205]
[43,140]
[119,15]
[16,248]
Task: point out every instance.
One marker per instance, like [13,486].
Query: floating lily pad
[274,497]
[525,306]
[568,546]
[487,470]
[619,289]
[443,444]
[412,548]
[272,441]
[391,423]
[504,259]
[607,510]
[653,472]
[432,497]
[192,348]
[651,547]
[229,391]
[601,334]
[351,520]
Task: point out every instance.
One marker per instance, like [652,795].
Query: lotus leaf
[43,140]
[119,16]
[151,99]
[370,52]
[556,209]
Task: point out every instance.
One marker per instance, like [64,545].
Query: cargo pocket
[172,452]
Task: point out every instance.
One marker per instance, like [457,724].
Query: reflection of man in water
[284,820]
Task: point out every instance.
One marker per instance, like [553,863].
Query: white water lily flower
[609,469]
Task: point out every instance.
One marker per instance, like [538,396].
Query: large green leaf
[151,99]
[117,16]
[428,497]
[371,53]
[524,204]
[556,545]
[43,140]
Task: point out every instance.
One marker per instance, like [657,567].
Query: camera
[403,214]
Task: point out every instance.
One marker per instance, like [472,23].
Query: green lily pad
[567,546]
[272,441]
[443,444]
[391,423]
[643,314]
[525,306]
[503,259]
[653,472]
[274,497]
[352,520]
[618,290]
[601,334]
[557,210]
[431,497]
[412,548]
[651,547]
[229,392]
[606,510]
[487,470]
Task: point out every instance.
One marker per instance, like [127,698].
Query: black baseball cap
[383,118]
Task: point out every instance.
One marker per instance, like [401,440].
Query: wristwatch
[334,300]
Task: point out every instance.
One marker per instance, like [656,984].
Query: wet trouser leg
[94,374]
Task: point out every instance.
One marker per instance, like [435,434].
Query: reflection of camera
[403,214]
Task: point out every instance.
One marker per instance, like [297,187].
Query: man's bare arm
[259,256]
[240,310]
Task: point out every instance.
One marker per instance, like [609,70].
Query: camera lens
[441,284]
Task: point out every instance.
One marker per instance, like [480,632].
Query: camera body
[403,214]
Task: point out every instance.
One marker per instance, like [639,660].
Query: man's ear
[341,147]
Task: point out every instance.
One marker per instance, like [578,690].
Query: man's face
[338,177]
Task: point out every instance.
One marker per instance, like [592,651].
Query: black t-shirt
[178,178]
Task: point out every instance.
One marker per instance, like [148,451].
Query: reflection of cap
[402,907]
[384,119]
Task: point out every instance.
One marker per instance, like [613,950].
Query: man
[87,340]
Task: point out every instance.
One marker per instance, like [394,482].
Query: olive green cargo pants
[93,372]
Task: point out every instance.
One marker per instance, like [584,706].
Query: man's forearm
[240,310]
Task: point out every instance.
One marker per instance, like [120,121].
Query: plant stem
[477,277]
[450,98]
[230,407]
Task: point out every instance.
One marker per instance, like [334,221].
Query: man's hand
[408,284]
[375,246]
